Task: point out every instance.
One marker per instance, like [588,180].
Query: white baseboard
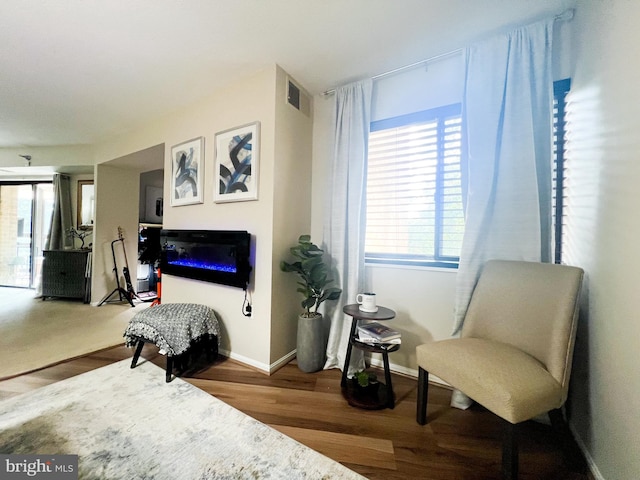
[245,360]
[409,372]
[593,468]
[263,367]
[282,361]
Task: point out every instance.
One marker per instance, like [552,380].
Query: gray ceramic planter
[310,344]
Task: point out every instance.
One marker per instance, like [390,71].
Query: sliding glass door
[25,216]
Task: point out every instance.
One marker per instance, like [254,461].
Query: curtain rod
[564,16]
[406,67]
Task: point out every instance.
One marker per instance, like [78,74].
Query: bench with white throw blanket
[177,329]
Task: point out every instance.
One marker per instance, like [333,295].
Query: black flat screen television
[218,256]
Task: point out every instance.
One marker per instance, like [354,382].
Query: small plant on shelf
[81,235]
[365,380]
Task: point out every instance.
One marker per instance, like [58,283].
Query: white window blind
[414,198]
[560,90]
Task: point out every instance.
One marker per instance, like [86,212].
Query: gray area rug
[131,424]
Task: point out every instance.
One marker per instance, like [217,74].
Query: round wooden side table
[384,397]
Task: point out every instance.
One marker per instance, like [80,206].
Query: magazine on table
[379,332]
[369,340]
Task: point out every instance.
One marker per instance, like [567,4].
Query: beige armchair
[516,346]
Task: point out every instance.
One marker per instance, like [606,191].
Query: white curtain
[61,221]
[508,115]
[345,220]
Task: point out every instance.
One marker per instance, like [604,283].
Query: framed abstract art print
[236,164]
[187,172]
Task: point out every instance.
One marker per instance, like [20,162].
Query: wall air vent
[297,98]
[293,95]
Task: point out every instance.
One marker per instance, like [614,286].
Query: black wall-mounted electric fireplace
[219,256]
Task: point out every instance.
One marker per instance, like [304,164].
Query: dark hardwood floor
[382,444]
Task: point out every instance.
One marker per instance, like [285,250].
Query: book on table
[377,331]
[369,340]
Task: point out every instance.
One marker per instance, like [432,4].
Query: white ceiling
[80,71]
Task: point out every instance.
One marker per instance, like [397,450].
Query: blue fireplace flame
[218,267]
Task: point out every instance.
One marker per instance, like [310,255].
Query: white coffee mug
[367,302]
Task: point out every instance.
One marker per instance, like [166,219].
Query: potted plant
[314,285]
[366,383]
[73,234]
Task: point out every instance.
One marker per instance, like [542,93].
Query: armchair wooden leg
[572,455]
[423,392]
[510,451]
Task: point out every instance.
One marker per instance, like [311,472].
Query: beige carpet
[36,333]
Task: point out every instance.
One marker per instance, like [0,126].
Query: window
[414,190]
[560,90]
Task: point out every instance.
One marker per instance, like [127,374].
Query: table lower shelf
[368,401]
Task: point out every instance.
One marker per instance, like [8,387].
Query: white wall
[68,155]
[267,338]
[291,214]
[431,85]
[242,103]
[116,194]
[603,231]
[117,189]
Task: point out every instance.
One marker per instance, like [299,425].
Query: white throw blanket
[173,327]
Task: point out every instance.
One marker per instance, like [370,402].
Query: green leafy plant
[364,379]
[314,275]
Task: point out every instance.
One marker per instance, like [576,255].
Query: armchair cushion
[502,378]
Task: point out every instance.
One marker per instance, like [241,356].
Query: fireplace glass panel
[213,256]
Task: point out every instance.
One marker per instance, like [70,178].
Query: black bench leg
[212,348]
[182,362]
[136,355]
[169,367]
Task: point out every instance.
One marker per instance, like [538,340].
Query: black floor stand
[123,294]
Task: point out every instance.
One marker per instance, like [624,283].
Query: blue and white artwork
[187,172]
[237,164]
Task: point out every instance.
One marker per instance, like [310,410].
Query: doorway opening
[25,217]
